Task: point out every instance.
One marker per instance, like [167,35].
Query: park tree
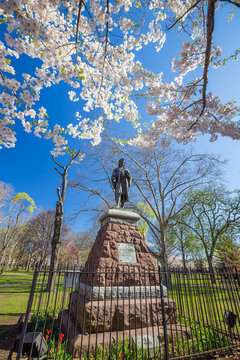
[228,254]
[182,240]
[12,229]
[35,246]
[212,212]
[75,248]
[6,192]
[93,48]
[37,240]
[84,244]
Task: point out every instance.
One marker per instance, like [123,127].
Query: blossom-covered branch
[92,47]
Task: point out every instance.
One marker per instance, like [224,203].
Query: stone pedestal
[119,289]
[119,227]
[118,315]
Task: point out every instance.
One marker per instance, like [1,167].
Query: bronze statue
[121,181]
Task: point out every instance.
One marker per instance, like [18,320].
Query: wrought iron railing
[132,315]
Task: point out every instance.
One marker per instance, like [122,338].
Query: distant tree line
[25,237]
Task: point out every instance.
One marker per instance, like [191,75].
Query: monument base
[119,314]
[119,292]
[83,343]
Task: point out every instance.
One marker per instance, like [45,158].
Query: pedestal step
[115,315]
[119,292]
[143,337]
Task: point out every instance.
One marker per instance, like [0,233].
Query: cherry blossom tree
[181,109]
[92,46]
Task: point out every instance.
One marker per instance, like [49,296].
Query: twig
[210,27]
[180,17]
[78,21]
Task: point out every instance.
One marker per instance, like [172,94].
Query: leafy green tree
[15,216]
[211,213]
[228,254]
[183,241]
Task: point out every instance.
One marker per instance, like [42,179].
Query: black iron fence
[129,314]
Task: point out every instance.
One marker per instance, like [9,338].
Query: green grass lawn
[11,277]
[205,303]
[14,298]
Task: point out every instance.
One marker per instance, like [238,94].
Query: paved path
[15,284]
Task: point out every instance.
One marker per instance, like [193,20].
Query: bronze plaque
[126,253]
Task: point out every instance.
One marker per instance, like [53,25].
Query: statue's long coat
[117,182]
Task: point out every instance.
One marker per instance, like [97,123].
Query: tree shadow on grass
[15,292]
[8,334]
[10,314]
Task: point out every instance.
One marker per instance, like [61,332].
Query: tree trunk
[164,263]
[28,263]
[166,278]
[184,259]
[3,267]
[4,257]
[56,240]
[10,260]
[211,270]
[56,243]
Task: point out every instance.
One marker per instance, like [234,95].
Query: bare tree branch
[78,20]
[57,162]
[231,2]
[185,13]
[88,189]
[210,27]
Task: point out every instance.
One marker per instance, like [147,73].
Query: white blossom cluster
[75,46]
[94,50]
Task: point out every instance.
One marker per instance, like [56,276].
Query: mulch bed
[8,334]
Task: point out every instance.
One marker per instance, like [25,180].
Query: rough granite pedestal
[118,292]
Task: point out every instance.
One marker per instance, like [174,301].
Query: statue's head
[121,162]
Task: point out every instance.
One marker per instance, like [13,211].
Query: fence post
[238,280]
[163,316]
[237,275]
[29,306]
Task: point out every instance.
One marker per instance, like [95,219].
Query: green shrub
[126,350]
[203,338]
[42,320]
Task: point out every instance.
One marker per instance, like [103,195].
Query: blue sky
[29,168]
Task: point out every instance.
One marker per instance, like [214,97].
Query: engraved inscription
[126,253]
[147,341]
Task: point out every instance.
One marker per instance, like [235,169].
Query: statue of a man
[121,180]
